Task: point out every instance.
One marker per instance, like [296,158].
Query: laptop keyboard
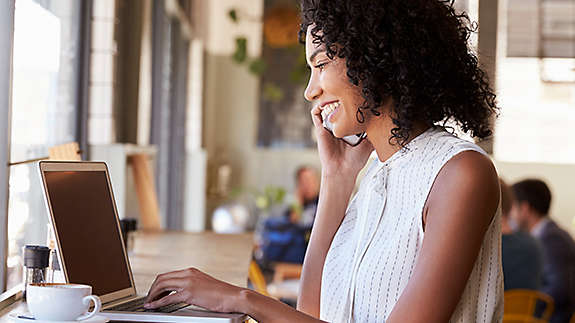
[137,305]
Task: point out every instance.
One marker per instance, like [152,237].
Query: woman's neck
[379,131]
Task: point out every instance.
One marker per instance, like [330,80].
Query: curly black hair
[412,51]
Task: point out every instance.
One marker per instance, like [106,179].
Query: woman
[420,241]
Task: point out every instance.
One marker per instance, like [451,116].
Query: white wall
[220,32]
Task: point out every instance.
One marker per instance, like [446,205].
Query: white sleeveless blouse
[373,253]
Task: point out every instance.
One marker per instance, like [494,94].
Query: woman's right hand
[337,157]
[191,286]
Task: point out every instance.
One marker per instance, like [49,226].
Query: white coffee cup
[61,302]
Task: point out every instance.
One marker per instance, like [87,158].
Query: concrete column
[129,40]
[488,49]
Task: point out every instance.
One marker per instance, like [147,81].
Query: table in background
[226,257]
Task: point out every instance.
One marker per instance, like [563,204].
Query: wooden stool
[145,188]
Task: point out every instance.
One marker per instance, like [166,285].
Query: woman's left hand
[193,287]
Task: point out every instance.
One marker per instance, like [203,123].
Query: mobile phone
[352,140]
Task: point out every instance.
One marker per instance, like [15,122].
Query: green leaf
[257,67]
[235,192]
[262,202]
[241,53]
[273,92]
[279,195]
[233,14]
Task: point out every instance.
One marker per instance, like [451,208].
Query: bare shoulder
[468,183]
[470,167]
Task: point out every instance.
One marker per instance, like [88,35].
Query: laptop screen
[84,218]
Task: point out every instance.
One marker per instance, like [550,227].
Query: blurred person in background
[307,197]
[531,211]
[520,252]
[285,237]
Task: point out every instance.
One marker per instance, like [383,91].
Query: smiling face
[330,88]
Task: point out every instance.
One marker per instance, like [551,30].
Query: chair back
[146,191]
[520,306]
[66,152]
[256,276]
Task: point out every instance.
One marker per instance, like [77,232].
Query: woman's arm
[265,309]
[334,195]
[192,286]
[341,164]
[459,209]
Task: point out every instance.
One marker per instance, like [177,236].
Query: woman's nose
[313,90]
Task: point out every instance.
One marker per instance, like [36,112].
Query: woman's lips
[329,110]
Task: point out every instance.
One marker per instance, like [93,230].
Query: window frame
[81,77]
[6,49]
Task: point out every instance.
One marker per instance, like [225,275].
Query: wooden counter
[226,257]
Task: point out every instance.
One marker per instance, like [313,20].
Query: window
[44,112]
[537,117]
[536,83]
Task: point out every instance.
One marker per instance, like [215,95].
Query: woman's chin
[340,133]
[336,133]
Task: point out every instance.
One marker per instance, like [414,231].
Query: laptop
[83,213]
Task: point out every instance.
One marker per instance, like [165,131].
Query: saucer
[28,318]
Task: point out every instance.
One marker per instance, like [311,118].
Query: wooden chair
[285,281]
[520,306]
[69,152]
[146,190]
[284,271]
[256,277]
[572,318]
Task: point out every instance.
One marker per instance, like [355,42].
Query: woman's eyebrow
[315,53]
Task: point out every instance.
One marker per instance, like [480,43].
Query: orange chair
[256,276]
[572,318]
[286,281]
[284,271]
[520,306]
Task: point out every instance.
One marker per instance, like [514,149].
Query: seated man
[530,209]
[520,252]
[285,237]
[307,195]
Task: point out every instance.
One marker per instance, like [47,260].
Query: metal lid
[129,225]
[36,256]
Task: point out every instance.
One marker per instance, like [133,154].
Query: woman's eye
[321,66]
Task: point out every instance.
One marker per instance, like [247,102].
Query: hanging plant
[281,26]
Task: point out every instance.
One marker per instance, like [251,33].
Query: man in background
[285,237]
[521,253]
[530,210]
[307,195]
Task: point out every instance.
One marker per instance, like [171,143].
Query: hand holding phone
[352,140]
[337,158]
